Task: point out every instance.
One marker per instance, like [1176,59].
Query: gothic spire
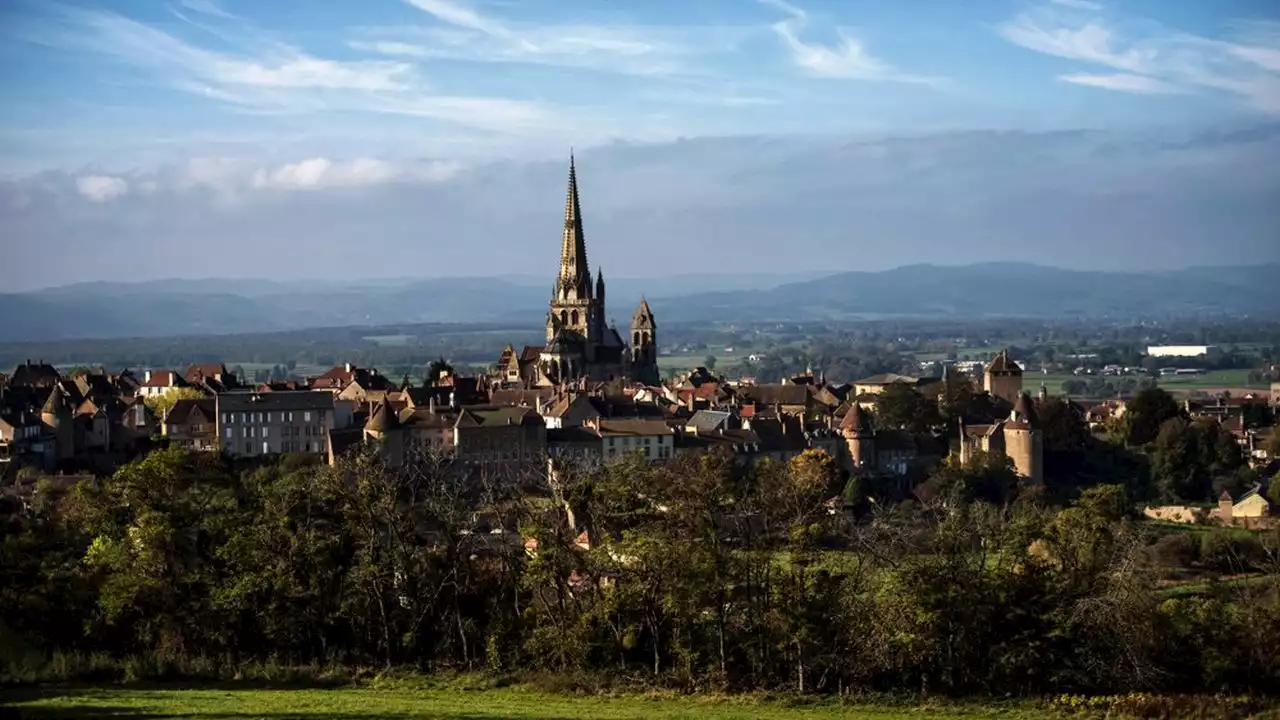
[574,270]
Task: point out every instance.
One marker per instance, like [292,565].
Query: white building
[1183,351]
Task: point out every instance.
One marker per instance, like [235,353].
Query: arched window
[564,317]
[575,318]
[636,341]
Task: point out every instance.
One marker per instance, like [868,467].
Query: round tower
[55,415]
[859,437]
[385,427]
[1024,441]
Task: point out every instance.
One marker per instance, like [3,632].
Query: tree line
[700,572]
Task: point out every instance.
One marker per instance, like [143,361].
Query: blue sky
[134,99]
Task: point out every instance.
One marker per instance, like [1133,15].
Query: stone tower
[1024,441]
[574,308]
[384,426]
[1002,378]
[644,345]
[859,437]
[56,416]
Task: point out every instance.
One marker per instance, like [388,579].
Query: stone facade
[579,342]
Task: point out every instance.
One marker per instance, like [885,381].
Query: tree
[989,477]
[1146,413]
[957,395]
[1189,458]
[1074,387]
[901,407]
[437,370]
[709,362]
[162,404]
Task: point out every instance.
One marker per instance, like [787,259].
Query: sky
[148,139]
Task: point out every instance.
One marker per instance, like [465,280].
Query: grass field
[126,703]
[1214,380]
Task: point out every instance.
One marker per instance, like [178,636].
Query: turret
[56,416]
[859,437]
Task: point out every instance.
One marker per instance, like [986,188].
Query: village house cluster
[590,393]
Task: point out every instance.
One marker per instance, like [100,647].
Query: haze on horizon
[426,138]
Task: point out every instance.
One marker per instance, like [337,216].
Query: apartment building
[252,423]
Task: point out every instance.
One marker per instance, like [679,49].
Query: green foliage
[162,404]
[695,574]
[1146,413]
[1189,458]
[901,407]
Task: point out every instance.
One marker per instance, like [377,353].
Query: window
[268,416]
[244,432]
[265,448]
[242,417]
[290,416]
[248,448]
[264,432]
[306,416]
[229,433]
[252,432]
[224,418]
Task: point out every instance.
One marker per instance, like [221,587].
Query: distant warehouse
[1183,351]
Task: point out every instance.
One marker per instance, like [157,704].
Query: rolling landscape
[211,307]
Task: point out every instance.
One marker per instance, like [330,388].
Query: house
[876,384]
[213,377]
[192,423]
[500,437]
[33,375]
[160,382]
[654,439]
[1251,510]
[252,424]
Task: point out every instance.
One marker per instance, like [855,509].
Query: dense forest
[698,573]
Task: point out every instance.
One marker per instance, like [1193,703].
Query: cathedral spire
[574,271]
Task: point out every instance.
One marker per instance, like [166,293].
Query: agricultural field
[1210,382]
[126,703]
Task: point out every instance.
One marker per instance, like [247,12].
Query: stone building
[579,341]
[1002,378]
[1017,437]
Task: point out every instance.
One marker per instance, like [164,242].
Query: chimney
[347,367]
[146,377]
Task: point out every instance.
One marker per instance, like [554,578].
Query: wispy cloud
[101,188]
[461,32]
[1124,82]
[271,76]
[847,59]
[1154,59]
[207,7]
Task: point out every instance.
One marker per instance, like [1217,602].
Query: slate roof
[281,400]
[188,410]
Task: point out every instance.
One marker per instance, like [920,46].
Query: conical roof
[856,419]
[383,420]
[1023,409]
[56,403]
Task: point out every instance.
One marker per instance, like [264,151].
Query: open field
[127,703]
[1212,381]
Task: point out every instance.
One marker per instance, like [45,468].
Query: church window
[575,318]
[637,339]
[564,317]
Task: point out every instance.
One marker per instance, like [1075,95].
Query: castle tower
[1002,378]
[55,415]
[573,306]
[1024,441]
[644,345]
[859,437]
[384,426]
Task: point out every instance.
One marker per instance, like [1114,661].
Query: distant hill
[1009,289]
[210,306]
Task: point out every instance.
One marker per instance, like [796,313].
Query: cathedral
[580,344]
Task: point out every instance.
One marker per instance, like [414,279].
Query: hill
[210,306]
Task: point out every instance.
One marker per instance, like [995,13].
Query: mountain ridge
[155,309]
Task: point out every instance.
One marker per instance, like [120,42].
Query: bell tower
[574,308]
[644,345]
